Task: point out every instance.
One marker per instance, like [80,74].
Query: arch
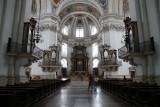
[91,3]
[93,18]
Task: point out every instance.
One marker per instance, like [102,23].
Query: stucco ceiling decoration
[51,27]
[83,19]
[84,42]
[67,18]
[116,27]
[79,7]
[90,3]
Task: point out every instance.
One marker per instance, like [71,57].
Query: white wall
[115,43]
[37,71]
[48,39]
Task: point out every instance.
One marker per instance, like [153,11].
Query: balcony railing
[17,49]
[110,65]
[49,66]
[144,48]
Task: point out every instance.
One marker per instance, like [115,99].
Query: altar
[79,59]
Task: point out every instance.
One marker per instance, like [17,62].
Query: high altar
[79,59]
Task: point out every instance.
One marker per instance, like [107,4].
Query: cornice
[81,41]
[52,27]
[116,27]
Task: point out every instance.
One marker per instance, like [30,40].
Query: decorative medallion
[103,3]
[56,2]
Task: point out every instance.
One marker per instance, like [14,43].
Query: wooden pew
[27,94]
[138,94]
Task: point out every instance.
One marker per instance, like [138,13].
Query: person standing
[91,79]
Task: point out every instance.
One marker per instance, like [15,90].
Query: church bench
[24,95]
[7,99]
[139,94]
[33,91]
[17,98]
[146,95]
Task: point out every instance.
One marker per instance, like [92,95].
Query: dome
[79,25]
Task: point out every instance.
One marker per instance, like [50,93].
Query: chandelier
[37,36]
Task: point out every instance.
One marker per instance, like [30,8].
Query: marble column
[11,72]
[144,16]
[17,32]
[2,12]
[5,32]
[153,19]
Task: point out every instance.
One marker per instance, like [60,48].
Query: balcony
[50,61]
[18,50]
[109,60]
[49,66]
[137,50]
[110,65]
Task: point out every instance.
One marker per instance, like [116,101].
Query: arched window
[95,63]
[64,63]
[95,50]
[65,30]
[64,50]
[93,30]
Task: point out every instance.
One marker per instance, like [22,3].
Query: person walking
[91,79]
